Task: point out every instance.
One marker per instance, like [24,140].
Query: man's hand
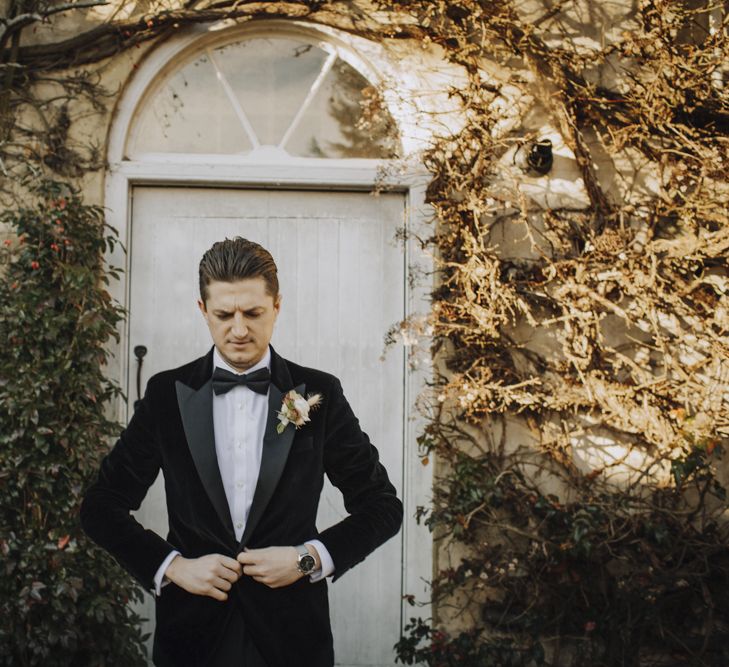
[212,575]
[274,566]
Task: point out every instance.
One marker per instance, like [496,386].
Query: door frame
[360,175]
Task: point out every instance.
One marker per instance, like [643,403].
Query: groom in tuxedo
[240,579]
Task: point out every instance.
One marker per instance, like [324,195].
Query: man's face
[240,316]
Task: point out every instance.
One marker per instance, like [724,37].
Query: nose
[240,329]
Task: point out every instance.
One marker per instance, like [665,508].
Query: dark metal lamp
[535,157]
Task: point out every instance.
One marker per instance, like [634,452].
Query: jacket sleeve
[352,464]
[125,475]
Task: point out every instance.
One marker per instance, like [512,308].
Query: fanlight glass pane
[271,78]
[273,91]
[346,118]
[190,113]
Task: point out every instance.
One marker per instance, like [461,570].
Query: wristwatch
[306,563]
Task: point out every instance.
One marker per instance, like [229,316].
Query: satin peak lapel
[276,447]
[196,409]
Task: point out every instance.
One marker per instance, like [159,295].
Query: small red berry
[54,246]
[34,265]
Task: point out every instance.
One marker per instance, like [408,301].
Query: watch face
[307,563]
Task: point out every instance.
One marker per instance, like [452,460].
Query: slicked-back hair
[237,259]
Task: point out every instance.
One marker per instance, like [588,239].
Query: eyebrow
[221,311]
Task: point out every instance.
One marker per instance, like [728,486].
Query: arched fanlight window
[272,93]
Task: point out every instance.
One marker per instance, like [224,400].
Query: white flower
[295,409]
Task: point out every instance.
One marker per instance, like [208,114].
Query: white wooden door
[342,279]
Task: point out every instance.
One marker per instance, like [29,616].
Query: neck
[238,366]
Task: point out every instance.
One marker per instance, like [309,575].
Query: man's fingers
[231,564]
[228,573]
[215,574]
[252,570]
[222,584]
[247,557]
[212,575]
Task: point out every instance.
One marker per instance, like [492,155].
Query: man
[240,578]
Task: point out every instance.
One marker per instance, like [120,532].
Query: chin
[245,357]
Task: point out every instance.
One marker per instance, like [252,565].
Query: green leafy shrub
[62,600]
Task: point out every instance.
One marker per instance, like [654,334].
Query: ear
[277,304]
[203,309]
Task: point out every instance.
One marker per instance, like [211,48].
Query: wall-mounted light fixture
[535,157]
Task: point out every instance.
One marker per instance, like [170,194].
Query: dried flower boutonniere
[295,409]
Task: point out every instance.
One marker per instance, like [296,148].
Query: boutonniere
[295,409]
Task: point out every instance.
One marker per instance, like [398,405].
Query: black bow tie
[224,381]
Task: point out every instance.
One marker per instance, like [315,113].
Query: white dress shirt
[239,422]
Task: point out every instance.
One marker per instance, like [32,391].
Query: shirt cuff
[159,579]
[327,564]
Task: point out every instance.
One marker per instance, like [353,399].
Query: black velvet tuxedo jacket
[172,430]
